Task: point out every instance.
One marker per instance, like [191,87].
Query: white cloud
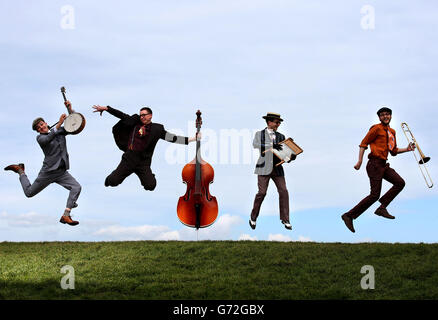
[284,238]
[279,237]
[220,230]
[26,220]
[145,232]
[304,239]
[245,236]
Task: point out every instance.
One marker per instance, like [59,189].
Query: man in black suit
[137,136]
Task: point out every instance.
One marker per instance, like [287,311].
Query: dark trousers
[132,163]
[377,170]
[263,183]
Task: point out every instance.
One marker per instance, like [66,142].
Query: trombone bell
[423,158]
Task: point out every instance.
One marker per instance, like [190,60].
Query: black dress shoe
[348,222]
[383,213]
[287,225]
[252,224]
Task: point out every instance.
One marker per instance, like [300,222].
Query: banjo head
[74,123]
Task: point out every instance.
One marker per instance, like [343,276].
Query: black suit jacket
[123,129]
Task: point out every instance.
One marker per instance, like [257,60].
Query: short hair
[149,110]
[35,123]
[384,109]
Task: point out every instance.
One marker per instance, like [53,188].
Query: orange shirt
[378,139]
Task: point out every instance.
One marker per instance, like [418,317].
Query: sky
[325,67]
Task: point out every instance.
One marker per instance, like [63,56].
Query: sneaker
[252,224]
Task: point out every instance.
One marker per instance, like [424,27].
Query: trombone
[423,158]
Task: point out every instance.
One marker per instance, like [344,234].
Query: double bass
[197,208]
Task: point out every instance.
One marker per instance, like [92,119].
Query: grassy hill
[217,270]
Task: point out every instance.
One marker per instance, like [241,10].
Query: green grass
[217,270]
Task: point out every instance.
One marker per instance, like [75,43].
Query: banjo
[75,122]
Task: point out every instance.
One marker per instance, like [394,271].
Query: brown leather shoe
[15,167]
[383,213]
[348,222]
[68,220]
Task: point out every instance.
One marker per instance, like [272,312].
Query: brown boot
[383,213]
[68,220]
[348,222]
[16,167]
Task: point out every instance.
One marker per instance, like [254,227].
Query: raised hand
[61,120]
[99,109]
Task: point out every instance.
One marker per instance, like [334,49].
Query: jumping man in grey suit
[55,165]
[267,169]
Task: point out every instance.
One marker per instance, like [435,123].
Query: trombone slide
[423,159]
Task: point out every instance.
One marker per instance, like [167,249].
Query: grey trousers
[280,183]
[61,177]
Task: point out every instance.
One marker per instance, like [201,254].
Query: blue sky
[310,61]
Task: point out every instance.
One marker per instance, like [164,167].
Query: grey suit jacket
[55,149]
[267,161]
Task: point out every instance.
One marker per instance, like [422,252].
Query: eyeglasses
[277,122]
[144,114]
[382,114]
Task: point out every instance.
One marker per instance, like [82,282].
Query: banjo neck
[65,100]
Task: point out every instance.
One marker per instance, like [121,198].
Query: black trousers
[378,169]
[132,162]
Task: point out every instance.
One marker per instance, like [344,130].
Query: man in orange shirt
[381,139]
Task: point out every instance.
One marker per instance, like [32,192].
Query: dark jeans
[132,163]
[263,183]
[377,170]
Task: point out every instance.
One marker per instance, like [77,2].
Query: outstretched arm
[173,138]
[410,147]
[114,112]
